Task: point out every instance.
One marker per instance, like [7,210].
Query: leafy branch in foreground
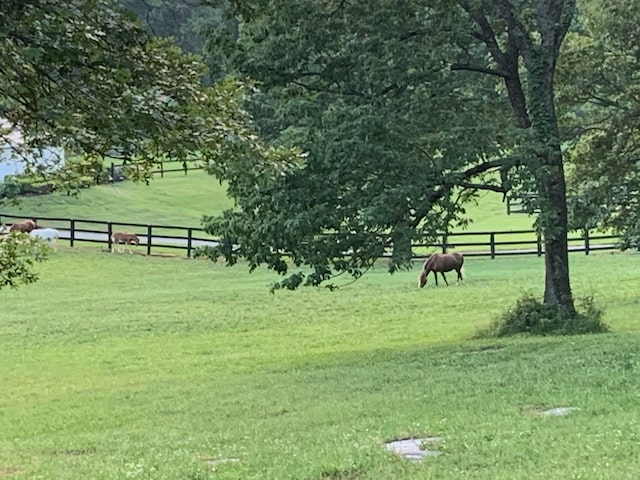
[18,254]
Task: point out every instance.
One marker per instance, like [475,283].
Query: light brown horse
[126,239]
[24,226]
[441,262]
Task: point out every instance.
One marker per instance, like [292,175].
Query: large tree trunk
[552,191]
[539,50]
[547,167]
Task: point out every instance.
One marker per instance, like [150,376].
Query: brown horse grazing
[441,262]
[126,239]
[24,226]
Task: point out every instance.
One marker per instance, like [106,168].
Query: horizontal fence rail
[167,166]
[165,238]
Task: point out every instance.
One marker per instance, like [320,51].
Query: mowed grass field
[176,199]
[125,366]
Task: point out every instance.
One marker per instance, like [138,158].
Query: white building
[12,162]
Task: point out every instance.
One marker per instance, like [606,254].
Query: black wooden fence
[164,167]
[164,238]
[153,238]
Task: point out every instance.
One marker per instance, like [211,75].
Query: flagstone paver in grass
[414,449]
[558,411]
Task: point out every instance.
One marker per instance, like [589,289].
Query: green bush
[532,317]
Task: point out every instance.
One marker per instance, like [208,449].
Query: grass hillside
[182,200]
[176,199]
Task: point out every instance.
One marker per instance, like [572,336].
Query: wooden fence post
[149,235]
[72,232]
[161,169]
[586,241]
[492,244]
[444,243]
[189,241]
[113,172]
[539,244]
[109,233]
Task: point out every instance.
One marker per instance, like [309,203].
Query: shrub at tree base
[532,317]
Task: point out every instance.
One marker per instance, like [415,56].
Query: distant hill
[176,199]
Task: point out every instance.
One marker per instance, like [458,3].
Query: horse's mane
[431,260]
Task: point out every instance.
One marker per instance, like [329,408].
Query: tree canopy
[604,88]
[85,76]
[406,110]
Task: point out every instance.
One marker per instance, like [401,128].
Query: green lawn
[125,366]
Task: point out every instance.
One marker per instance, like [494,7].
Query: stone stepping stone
[414,449]
[558,411]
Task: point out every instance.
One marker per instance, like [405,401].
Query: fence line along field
[151,367]
[163,238]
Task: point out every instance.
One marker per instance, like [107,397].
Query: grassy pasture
[176,199]
[124,366]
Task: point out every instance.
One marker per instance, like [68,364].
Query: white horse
[49,235]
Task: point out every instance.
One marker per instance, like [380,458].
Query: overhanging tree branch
[479,69]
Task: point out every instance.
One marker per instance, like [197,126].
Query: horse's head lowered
[422,278]
[24,226]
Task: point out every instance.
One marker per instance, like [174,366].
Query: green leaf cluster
[18,254]
[603,92]
[529,316]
